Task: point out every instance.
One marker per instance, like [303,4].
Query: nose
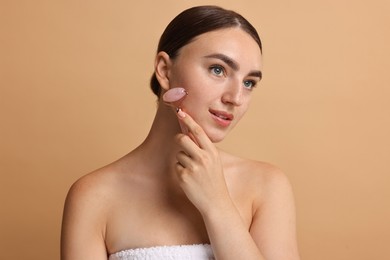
[233,94]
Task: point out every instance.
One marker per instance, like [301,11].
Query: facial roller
[174,95]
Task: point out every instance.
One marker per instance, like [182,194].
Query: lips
[223,118]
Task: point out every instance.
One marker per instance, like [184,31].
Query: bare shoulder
[270,177]
[85,213]
[90,189]
[262,173]
[272,223]
[261,180]
[88,201]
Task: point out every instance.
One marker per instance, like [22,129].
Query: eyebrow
[233,64]
[256,73]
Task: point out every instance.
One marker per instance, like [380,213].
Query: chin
[216,140]
[217,137]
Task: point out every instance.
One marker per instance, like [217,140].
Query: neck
[159,146]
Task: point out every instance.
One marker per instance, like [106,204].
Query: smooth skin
[180,189]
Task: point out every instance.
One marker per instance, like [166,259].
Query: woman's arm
[82,235]
[274,226]
[272,233]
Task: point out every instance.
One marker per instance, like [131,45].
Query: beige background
[74,96]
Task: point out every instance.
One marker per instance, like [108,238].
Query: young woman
[177,196]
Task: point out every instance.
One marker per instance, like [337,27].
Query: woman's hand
[199,167]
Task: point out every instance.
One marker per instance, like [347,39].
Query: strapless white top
[182,252]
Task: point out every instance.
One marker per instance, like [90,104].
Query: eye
[217,70]
[250,84]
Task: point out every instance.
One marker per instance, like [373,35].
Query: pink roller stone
[174,94]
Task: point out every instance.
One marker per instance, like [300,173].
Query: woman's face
[219,70]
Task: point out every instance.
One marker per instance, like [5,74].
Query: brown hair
[193,22]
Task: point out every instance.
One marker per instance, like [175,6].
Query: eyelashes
[217,70]
[250,84]
[220,71]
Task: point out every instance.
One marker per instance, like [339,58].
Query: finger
[181,173]
[184,159]
[183,128]
[188,146]
[179,167]
[195,131]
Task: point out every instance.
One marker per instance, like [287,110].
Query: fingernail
[180,113]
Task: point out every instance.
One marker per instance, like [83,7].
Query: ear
[162,66]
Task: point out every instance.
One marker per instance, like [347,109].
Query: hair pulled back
[193,22]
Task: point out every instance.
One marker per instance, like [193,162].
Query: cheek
[199,92]
[194,102]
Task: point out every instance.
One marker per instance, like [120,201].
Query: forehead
[232,42]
